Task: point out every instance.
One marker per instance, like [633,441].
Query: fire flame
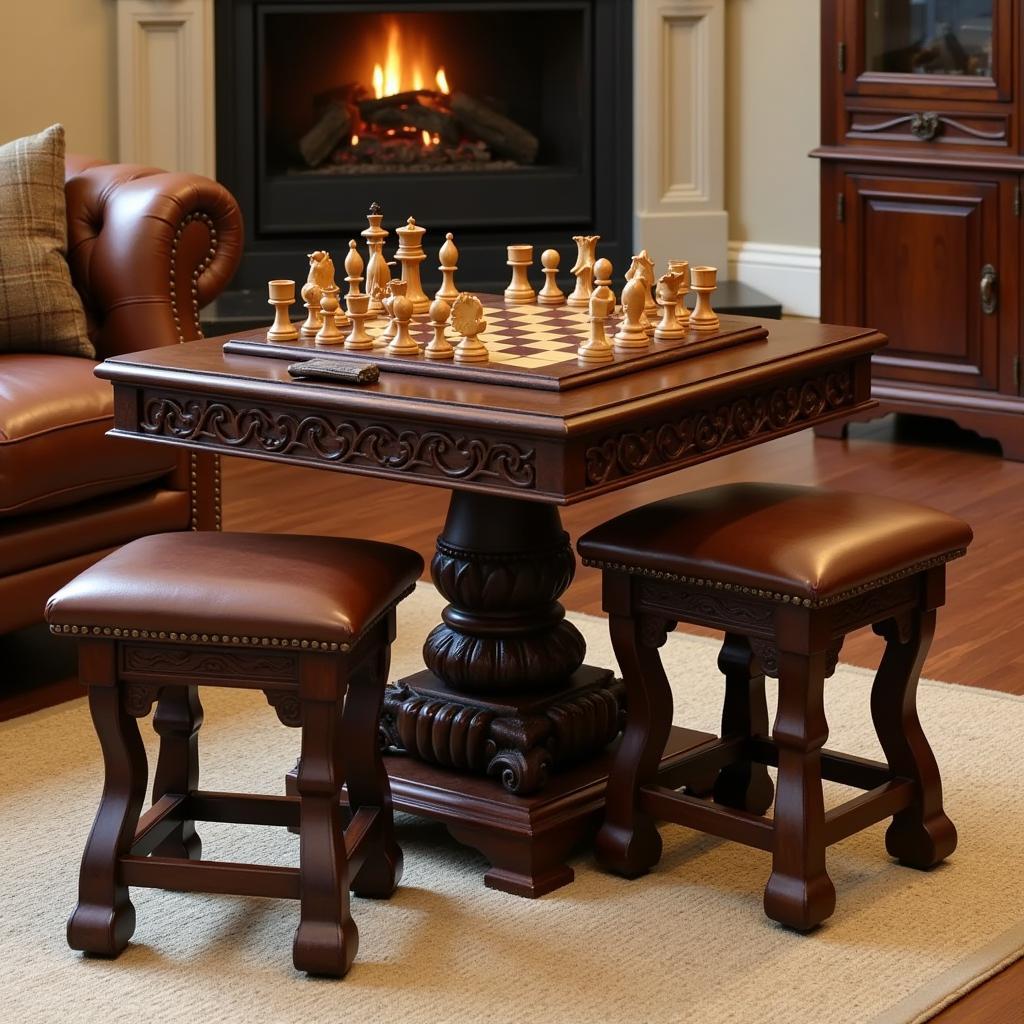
[404,66]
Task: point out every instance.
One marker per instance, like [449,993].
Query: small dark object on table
[345,371]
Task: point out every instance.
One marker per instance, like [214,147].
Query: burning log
[503,135]
[337,118]
[437,122]
[367,108]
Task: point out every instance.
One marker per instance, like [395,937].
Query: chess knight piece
[669,328]
[682,310]
[313,290]
[583,271]
[377,272]
[468,320]
[643,266]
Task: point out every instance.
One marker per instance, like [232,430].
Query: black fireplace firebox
[503,121]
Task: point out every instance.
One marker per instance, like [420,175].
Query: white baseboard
[790,274]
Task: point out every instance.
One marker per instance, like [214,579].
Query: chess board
[531,346]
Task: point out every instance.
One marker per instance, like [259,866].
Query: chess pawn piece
[402,344]
[632,335]
[468,320]
[311,295]
[603,281]
[282,298]
[682,310]
[550,294]
[520,292]
[597,348]
[410,254]
[449,257]
[329,334]
[704,280]
[359,339]
[669,328]
[583,271]
[353,268]
[377,272]
[440,347]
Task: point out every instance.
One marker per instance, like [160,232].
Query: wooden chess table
[504,735]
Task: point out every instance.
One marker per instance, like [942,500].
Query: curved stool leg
[178,718]
[799,893]
[921,835]
[104,919]
[744,785]
[628,841]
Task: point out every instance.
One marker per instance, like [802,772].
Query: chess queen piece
[377,271]
[550,294]
[402,344]
[282,298]
[583,271]
[312,292]
[704,280]
[643,266]
[449,258]
[354,267]
[440,347]
[520,292]
[682,310]
[359,340]
[468,320]
[669,328]
[632,335]
[410,255]
[597,348]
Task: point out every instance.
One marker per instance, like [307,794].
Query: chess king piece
[402,344]
[520,292]
[704,280]
[449,257]
[643,266]
[312,292]
[377,272]
[282,298]
[440,347]
[597,348]
[583,271]
[410,255]
[632,335]
[682,310]
[353,268]
[550,294]
[468,320]
[359,339]
[669,328]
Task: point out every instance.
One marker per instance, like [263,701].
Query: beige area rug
[687,943]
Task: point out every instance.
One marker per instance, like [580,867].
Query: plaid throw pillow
[40,311]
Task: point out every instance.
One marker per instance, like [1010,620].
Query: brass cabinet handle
[924,126]
[989,295]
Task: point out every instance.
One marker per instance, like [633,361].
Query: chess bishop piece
[583,271]
[359,340]
[682,310]
[377,272]
[440,347]
[632,335]
[402,344]
[597,348]
[669,328]
[550,294]
[520,292]
[449,257]
[468,320]
[410,255]
[282,298]
[353,268]
[704,280]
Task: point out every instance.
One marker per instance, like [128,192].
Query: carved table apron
[504,735]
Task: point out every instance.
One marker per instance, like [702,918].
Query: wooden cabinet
[922,168]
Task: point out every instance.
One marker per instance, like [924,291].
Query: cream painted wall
[58,62]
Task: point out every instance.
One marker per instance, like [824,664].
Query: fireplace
[502,121]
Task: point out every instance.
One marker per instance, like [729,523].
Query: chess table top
[530,346]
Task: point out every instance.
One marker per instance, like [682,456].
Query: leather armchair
[147,250]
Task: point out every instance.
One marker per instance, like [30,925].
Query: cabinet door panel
[915,254]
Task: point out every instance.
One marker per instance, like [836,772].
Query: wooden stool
[306,620]
[786,573]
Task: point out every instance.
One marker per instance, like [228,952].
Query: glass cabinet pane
[929,37]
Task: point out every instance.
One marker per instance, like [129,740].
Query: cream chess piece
[449,257]
[410,255]
[550,294]
[282,298]
[403,343]
[354,267]
[583,271]
[643,266]
[391,292]
[468,320]
[632,335]
[682,310]
[704,280]
[520,292]
[597,348]
[312,292]
[440,347]
[669,328]
[359,340]
[377,272]
[329,334]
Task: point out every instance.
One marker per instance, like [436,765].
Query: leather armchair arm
[147,249]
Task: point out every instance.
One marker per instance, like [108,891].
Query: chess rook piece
[378,273]
[520,292]
[632,335]
[359,339]
[643,266]
[550,294]
[597,349]
[282,298]
[583,271]
[353,268]
[440,347]
[669,328]
[449,257]
[313,290]
[402,344]
[468,320]
[682,310]
[704,280]
[410,255]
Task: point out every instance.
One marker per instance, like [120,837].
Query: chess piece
[550,294]
[377,272]
[282,298]
[440,347]
[632,335]
[329,334]
[402,344]
[449,257]
[597,348]
[643,266]
[682,310]
[359,339]
[583,271]
[410,255]
[603,281]
[468,320]
[704,280]
[312,293]
[391,292]
[669,328]
[520,292]
[353,268]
